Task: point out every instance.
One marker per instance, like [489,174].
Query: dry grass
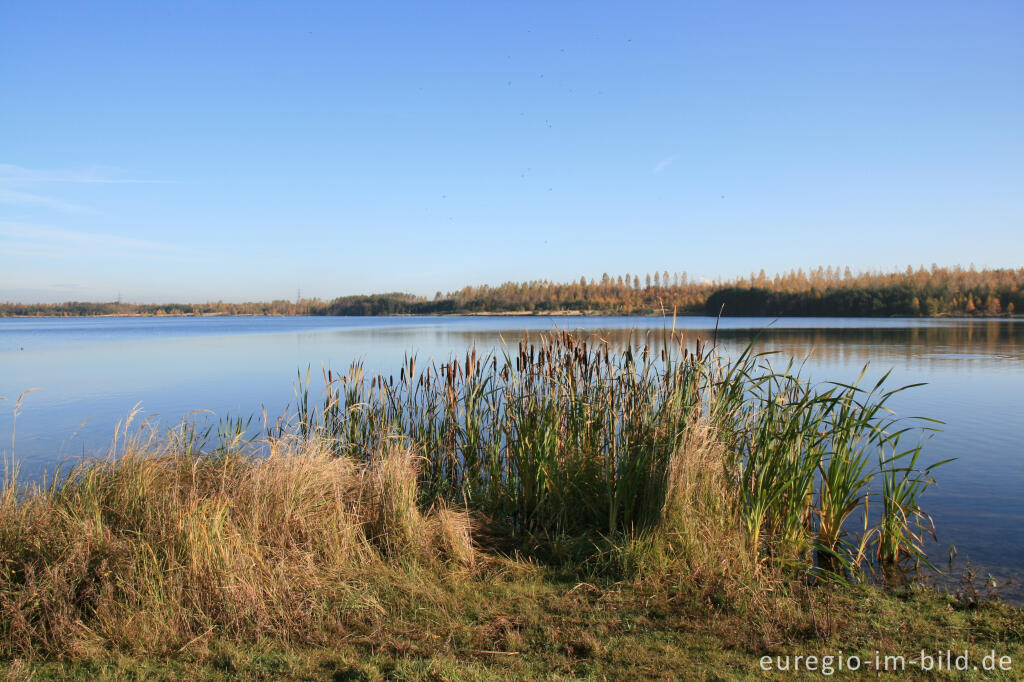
[152,550]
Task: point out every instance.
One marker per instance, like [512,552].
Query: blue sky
[238,151]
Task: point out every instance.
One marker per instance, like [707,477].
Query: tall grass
[571,435]
[154,550]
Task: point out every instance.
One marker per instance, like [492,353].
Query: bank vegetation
[567,507]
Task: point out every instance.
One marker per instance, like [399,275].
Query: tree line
[924,292]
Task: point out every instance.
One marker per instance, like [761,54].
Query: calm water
[91,372]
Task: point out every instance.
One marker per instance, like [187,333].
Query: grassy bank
[516,625]
[570,508]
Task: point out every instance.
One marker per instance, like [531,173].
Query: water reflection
[992,340]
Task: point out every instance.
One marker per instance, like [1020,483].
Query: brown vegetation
[154,549]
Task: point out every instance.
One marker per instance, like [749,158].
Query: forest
[920,292]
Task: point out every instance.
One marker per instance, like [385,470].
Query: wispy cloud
[14,197]
[11,174]
[26,187]
[39,241]
[663,164]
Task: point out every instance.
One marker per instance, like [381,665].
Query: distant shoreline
[933,293]
[525,313]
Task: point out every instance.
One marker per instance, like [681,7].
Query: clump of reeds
[564,436]
[155,548]
[570,435]
[698,546]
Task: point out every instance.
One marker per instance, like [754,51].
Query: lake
[91,372]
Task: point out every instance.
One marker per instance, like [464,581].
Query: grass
[521,625]
[154,550]
[570,510]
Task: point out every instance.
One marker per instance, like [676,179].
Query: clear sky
[199,151]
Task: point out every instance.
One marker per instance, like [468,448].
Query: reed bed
[570,435]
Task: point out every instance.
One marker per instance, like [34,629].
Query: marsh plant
[571,435]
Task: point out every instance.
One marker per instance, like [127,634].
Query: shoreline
[937,292]
[529,313]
